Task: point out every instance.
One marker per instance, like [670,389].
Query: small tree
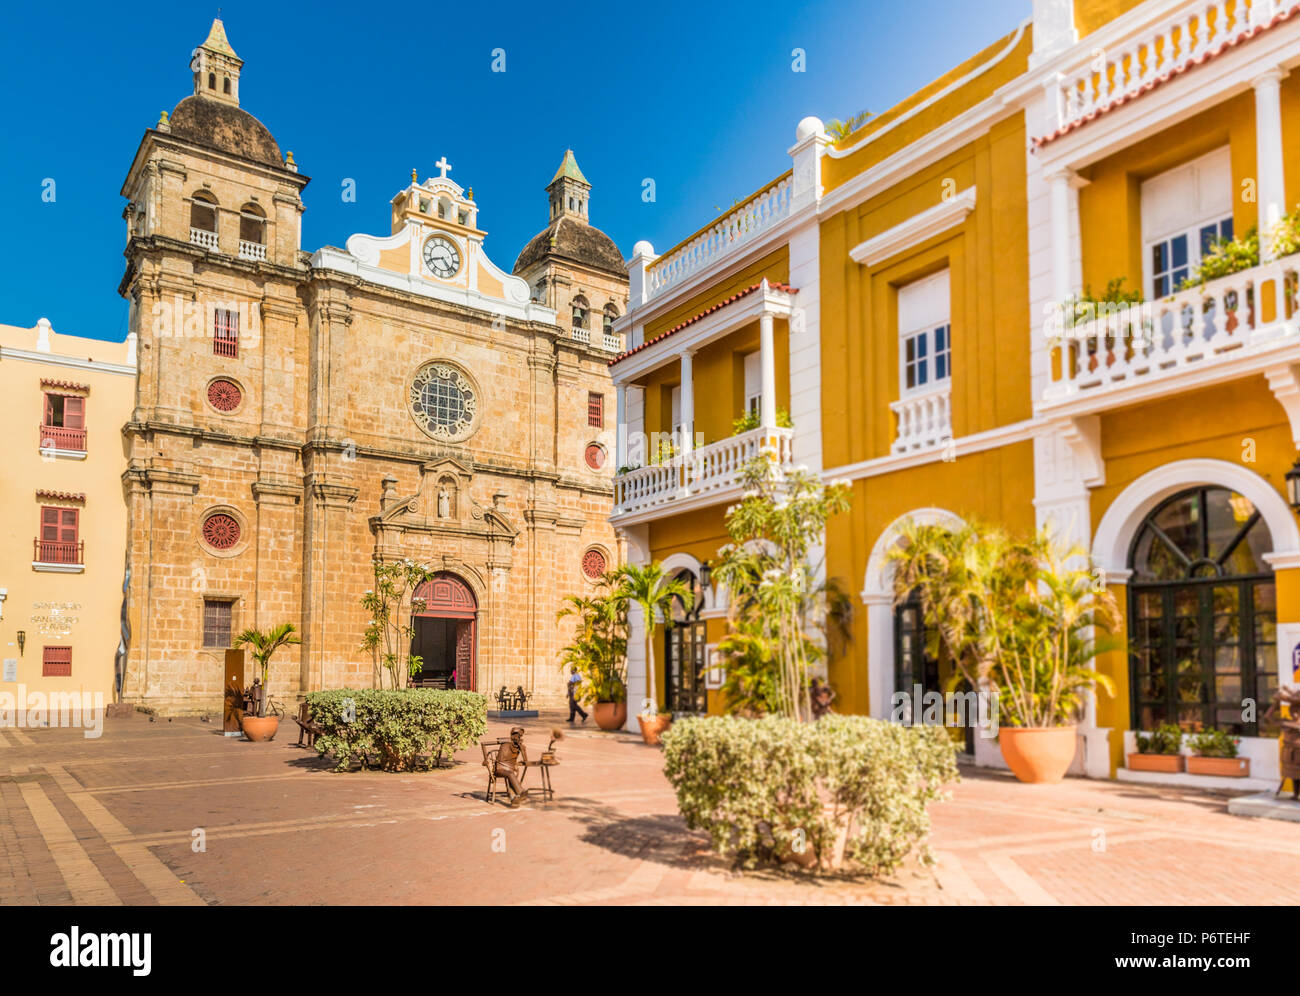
[266,642]
[1020,617]
[599,645]
[392,607]
[779,612]
[648,587]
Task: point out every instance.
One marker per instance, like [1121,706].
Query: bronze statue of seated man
[512,760]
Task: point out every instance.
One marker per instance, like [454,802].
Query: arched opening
[203,213]
[1202,630]
[252,229]
[581,309]
[445,618]
[607,321]
[225,85]
[212,81]
[684,656]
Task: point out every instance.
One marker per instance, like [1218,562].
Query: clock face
[441,257]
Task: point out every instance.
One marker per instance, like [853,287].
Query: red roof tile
[784,288]
[1204,57]
[61,495]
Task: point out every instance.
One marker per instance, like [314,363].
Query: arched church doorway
[445,619]
[1202,614]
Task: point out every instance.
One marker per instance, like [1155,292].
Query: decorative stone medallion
[444,401]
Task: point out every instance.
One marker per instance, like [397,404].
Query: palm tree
[266,642]
[648,587]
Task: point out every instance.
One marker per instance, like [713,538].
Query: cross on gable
[443,165]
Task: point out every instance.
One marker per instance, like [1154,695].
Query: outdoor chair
[307,727]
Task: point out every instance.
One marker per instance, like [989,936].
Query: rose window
[224,395]
[220,531]
[443,401]
[593,564]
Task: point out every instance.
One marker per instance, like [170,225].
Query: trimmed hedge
[402,729]
[773,789]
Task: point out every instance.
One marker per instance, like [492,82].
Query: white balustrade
[251,250]
[204,238]
[739,227]
[612,343]
[580,334]
[713,468]
[1128,345]
[924,420]
[1101,79]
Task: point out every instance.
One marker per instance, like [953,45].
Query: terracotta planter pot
[1225,767]
[1165,763]
[609,715]
[1038,755]
[652,728]
[260,728]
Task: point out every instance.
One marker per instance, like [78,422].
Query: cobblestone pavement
[172,812]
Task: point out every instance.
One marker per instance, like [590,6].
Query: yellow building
[912,323]
[63,401]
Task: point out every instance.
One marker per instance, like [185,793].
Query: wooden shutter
[49,524]
[56,662]
[74,413]
[68,525]
[49,409]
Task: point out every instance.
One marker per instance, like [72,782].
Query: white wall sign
[11,669]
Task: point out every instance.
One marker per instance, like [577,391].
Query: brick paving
[175,813]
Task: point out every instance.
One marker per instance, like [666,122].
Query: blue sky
[699,96]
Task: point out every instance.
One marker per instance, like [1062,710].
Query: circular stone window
[224,395]
[594,564]
[595,456]
[444,401]
[221,531]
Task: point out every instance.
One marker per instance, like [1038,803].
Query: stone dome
[568,237]
[226,128]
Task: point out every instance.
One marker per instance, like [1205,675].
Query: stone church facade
[298,415]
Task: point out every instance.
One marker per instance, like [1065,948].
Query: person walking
[574,681]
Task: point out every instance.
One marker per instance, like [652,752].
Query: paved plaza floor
[173,812]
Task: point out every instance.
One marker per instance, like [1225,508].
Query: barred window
[217,613]
[225,341]
[595,410]
[56,662]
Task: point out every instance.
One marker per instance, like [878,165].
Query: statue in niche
[444,504]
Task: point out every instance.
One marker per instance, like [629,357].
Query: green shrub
[396,729]
[750,421]
[1213,743]
[766,789]
[1167,738]
[1226,256]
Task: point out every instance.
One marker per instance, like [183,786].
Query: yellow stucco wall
[991,486]
[1089,15]
[80,609]
[987,256]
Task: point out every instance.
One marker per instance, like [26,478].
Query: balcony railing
[579,334]
[924,420]
[601,340]
[58,552]
[710,469]
[58,437]
[204,238]
[251,250]
[743,225]
[1136,64]
[1235,317]
[612,343]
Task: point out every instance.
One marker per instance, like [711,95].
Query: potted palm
[599,652]
[1019,619]
[264,643]
[1160,750]
[648,587]
[1214,752]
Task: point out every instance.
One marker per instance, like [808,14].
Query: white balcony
[924,420]
[204,238]
[1232,327]
[709,474]
[612,343]
[741,226]
[251,250]
[1105,77]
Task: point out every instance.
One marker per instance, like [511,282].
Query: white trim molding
[1126,513]
[948,213]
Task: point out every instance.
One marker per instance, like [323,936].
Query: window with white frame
[924,335]
[1184,212]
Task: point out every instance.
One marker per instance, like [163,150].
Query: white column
[1268,156]
[767,368]
[1059,183]
[688,402]
[620,428]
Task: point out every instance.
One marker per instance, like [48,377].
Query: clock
[441,257]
